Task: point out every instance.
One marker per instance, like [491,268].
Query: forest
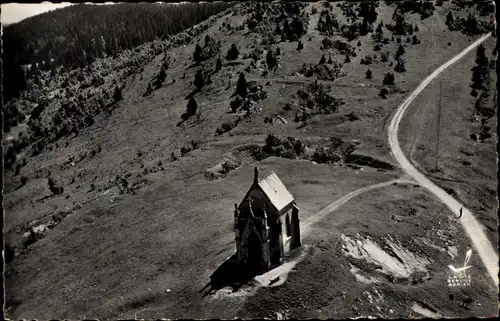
[75,36]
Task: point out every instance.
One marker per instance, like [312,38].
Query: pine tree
[481,59]
[368,74]
[322,60]
[233,52]
[401,51]
[117,95]
[271,60]
[388,79]
[241,86]
[477,79]
[192,107]
[199,79]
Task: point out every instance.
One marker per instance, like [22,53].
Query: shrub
[383,93]
[400,66]
[384,57]
[367,60]
[53,188]
[347,58]
[415,40]
[388,79]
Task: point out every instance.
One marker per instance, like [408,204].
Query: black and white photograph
[250,160]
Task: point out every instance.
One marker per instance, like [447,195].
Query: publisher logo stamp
[459,276]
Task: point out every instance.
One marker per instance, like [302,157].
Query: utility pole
[438,123]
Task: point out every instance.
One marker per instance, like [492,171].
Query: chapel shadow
[230,273]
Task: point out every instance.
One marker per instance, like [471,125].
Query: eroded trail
[472,227]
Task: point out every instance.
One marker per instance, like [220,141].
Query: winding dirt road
[472,227]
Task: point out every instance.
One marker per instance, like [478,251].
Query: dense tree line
[76,35]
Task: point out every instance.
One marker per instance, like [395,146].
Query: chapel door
[254,252]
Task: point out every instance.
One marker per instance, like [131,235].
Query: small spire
[256,175]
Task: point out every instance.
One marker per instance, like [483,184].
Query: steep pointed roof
[276,191]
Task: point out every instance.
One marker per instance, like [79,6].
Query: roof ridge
[270,174]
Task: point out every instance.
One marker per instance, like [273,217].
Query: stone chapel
[258,222]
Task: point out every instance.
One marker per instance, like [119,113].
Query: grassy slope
[175,231]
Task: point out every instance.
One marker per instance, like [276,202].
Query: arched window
[288,226]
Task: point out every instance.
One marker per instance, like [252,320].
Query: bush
[367,60]
[383,93]
[400,66]
[388,79]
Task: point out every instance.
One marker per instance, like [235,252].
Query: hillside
[147,152]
